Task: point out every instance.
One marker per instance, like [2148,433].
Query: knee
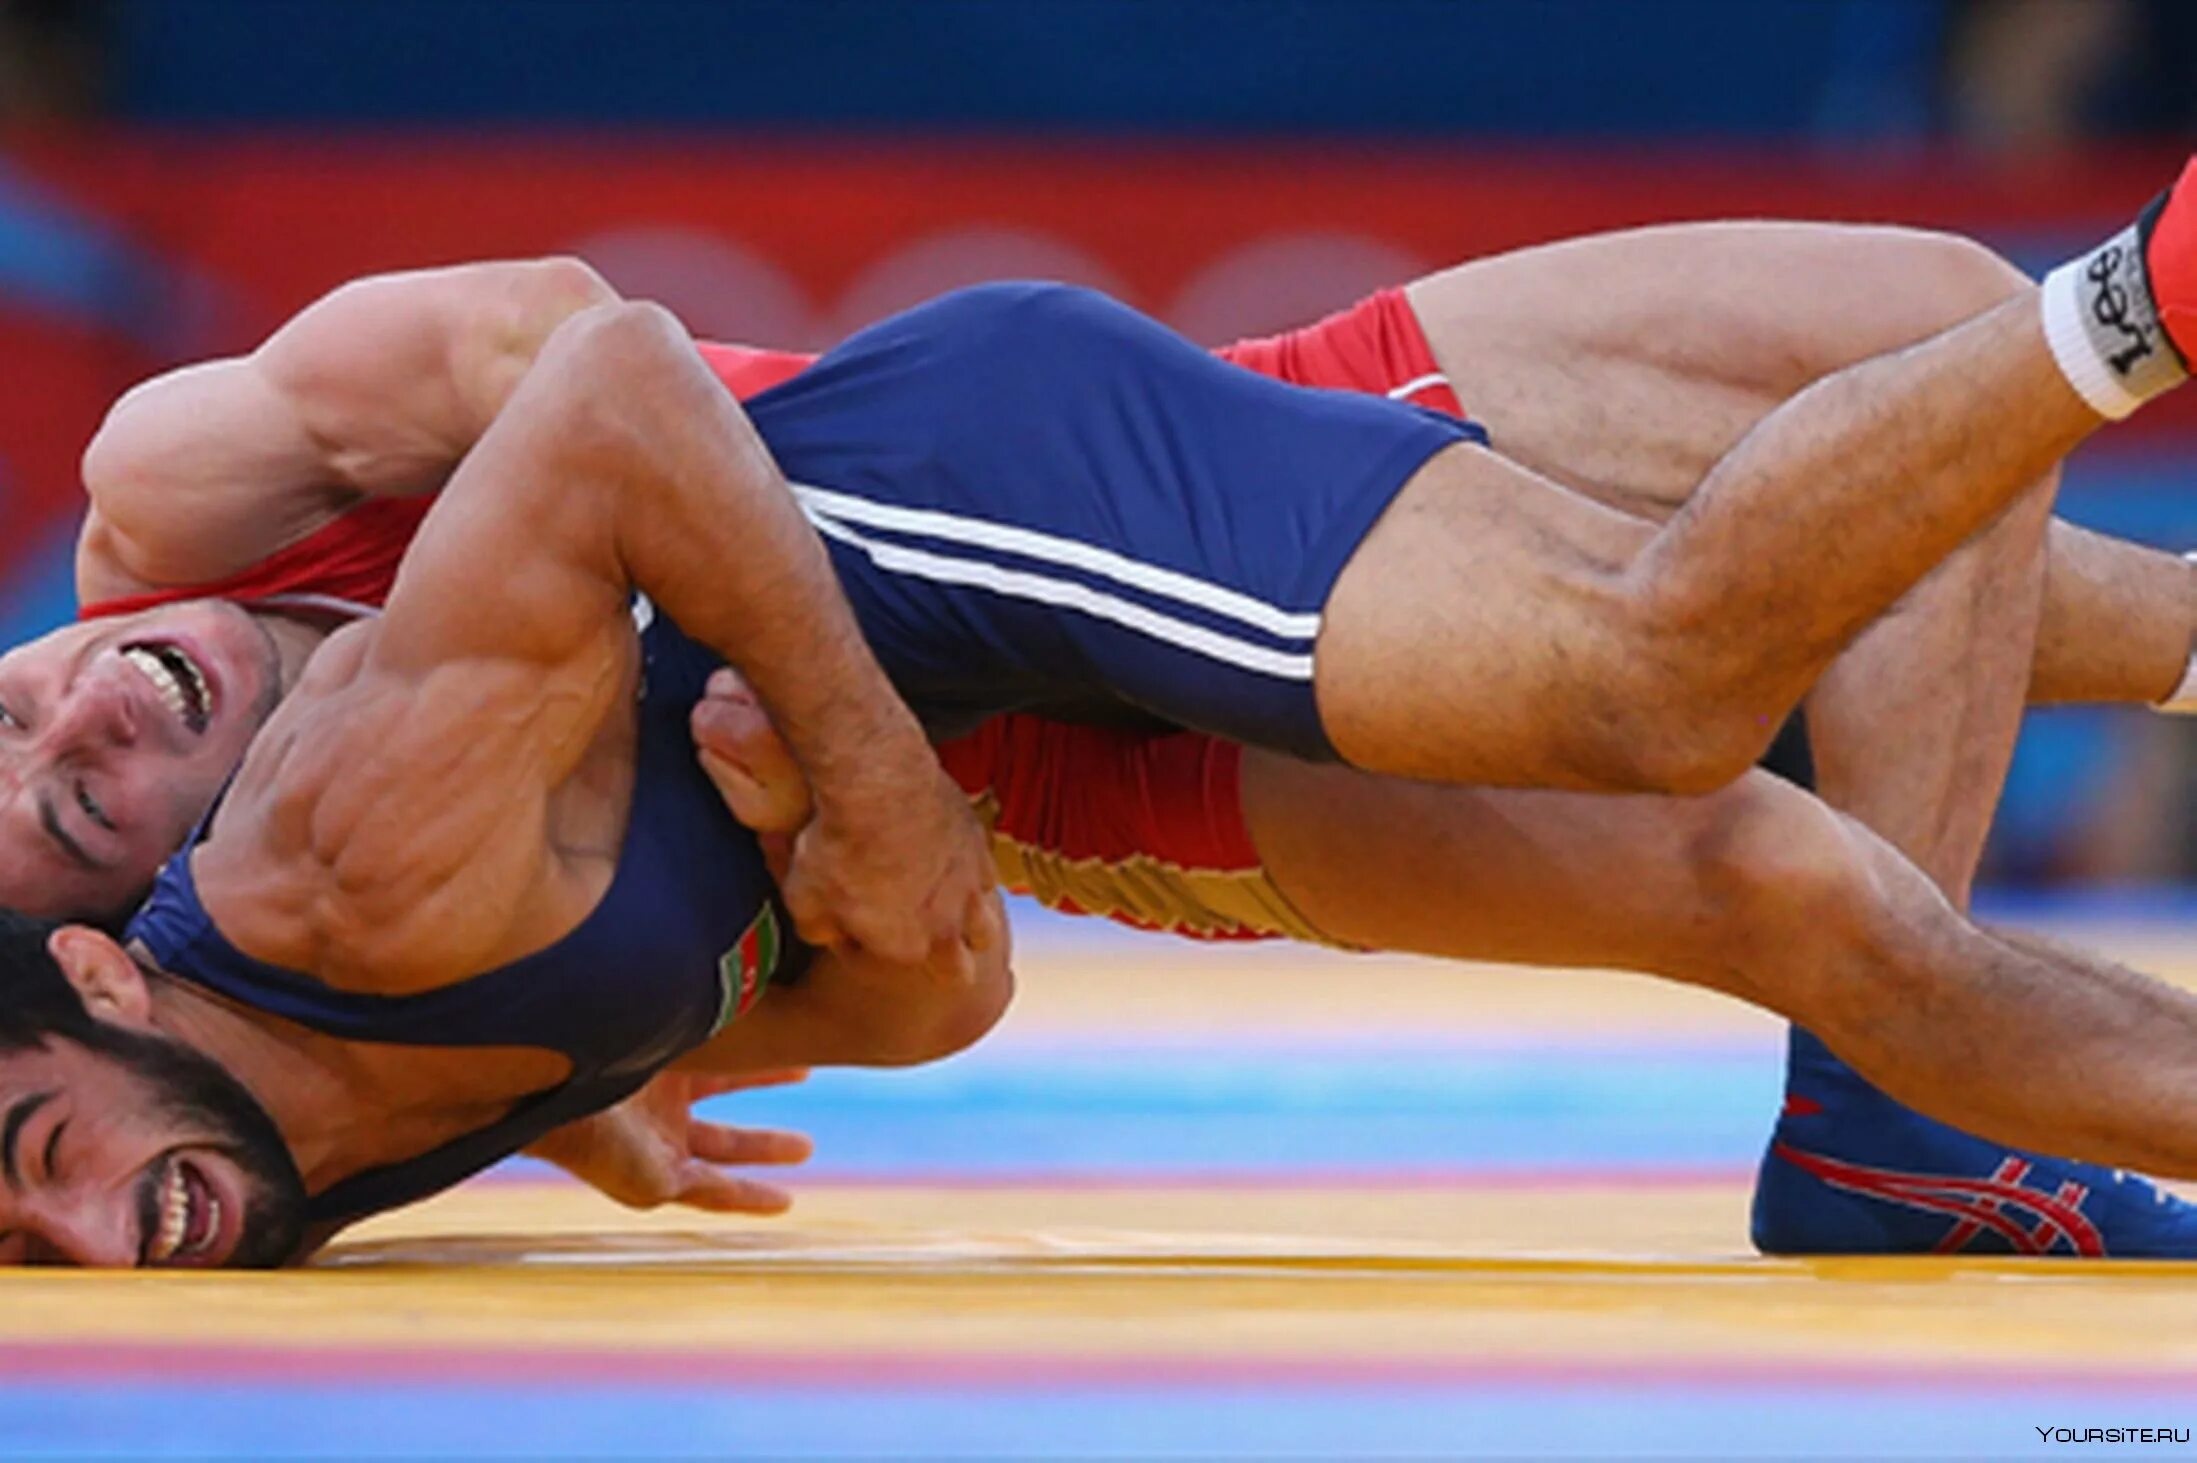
[1781,873]
[1946,278]
[1673,724]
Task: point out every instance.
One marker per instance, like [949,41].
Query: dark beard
[205,1099]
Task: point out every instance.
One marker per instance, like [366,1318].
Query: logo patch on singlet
[745,969]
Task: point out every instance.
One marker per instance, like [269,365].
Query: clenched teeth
[176,1218]
[175,1215]
[178,680]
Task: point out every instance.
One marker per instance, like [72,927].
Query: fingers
[769,806]
[777,855]
[716,1192]
[721,1144]
[700,1085]
[745,794]
[812,916]
[844,894]
[737,725]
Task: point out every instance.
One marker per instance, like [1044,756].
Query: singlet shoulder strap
[503,1007]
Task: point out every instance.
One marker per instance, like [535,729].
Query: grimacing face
[115,737]
[142,1155]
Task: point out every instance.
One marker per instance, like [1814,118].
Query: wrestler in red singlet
[1144,828]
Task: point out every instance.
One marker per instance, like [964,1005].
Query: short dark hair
[37,1003]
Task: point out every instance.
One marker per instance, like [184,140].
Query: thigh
[1626,364]
[1481,633]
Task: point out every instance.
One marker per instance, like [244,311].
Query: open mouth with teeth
[183,687]
[190,1217]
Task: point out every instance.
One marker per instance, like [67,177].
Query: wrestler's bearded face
[139,1152]
[115,737]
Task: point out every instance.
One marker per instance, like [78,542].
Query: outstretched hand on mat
[651,1150]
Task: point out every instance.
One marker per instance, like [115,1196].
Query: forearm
[499,329]
[707,527]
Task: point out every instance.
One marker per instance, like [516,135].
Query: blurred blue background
[175,175]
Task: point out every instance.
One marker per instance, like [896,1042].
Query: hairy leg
[1604,364]
[1913,725]
[1761,891]
[1668,669]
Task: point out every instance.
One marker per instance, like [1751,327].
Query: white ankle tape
[2104,330]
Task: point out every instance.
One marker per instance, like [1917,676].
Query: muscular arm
[617,463]
[379,388]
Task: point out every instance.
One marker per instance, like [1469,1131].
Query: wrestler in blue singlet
[1034,498]
[687,933]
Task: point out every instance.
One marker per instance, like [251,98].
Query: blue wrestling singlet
[1037,499]
[687,935]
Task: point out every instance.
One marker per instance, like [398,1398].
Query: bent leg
[1605,365]
[1686,659]
[1913,725]
[1625,365]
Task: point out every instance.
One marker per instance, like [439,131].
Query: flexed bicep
[379,388]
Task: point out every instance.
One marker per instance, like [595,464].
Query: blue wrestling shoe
[1851,1172]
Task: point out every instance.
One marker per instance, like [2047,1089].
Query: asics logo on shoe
[1976,1206]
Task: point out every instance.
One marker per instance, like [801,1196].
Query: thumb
[747,798]
[754,772]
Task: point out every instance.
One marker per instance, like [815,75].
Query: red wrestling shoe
[2168,231]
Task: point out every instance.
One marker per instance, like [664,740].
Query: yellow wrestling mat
[1503,1277]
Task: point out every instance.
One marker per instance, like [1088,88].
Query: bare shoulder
[392,833]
